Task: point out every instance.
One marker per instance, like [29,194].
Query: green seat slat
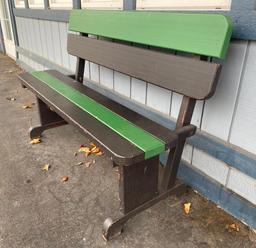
[148,143]
[203,34]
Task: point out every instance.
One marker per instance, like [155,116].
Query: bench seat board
[123,151]
[151,145]
[155,142]
[203,34]
[187,76]
[144,123]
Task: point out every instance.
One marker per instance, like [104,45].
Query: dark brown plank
[150,126]
[123,152]
[187,76]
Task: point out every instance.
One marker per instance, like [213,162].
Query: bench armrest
[186,131]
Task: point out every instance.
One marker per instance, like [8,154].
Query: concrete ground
[38,210]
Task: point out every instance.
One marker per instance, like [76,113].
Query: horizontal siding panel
[212,167]
[242,185]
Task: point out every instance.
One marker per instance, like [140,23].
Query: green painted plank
[148,143]
[203,34]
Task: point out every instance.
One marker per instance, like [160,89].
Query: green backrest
[202,34]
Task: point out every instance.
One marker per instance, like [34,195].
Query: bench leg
[138,183]
[48,118]
[112,228]
[138,190]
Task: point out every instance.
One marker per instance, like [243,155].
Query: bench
[183,48]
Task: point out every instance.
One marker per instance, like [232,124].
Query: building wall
[228,117]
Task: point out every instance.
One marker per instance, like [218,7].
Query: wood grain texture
[187,76]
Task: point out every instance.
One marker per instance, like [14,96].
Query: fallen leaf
[64,179]
[75,154]
[187,207]
[35,141]
[95,150]
[46,167]
[233,227]
[11,98]
[99,153]
[79,163]
[84,149]
[28,106]
[92,145]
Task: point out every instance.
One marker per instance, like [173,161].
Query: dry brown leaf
[64,179]
[233,227]
[11,98]
[84,149]
[35,141]
[99,153]
[28,105]
[46,167]
[92,145]
[187,207]
[95,150]
[87,154]
[75,154]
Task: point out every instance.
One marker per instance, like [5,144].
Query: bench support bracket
[48,118]
[174,157]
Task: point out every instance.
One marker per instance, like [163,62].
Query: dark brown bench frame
[139,186]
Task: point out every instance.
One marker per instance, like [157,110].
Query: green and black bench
[182,50]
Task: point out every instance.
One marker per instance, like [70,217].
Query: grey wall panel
[219,110]
[55,34]
[37,37]
[106,77]
[138,90]
[43,38]
[2,49]
[63,44]
[159,99]
[122,84]
[243,131]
